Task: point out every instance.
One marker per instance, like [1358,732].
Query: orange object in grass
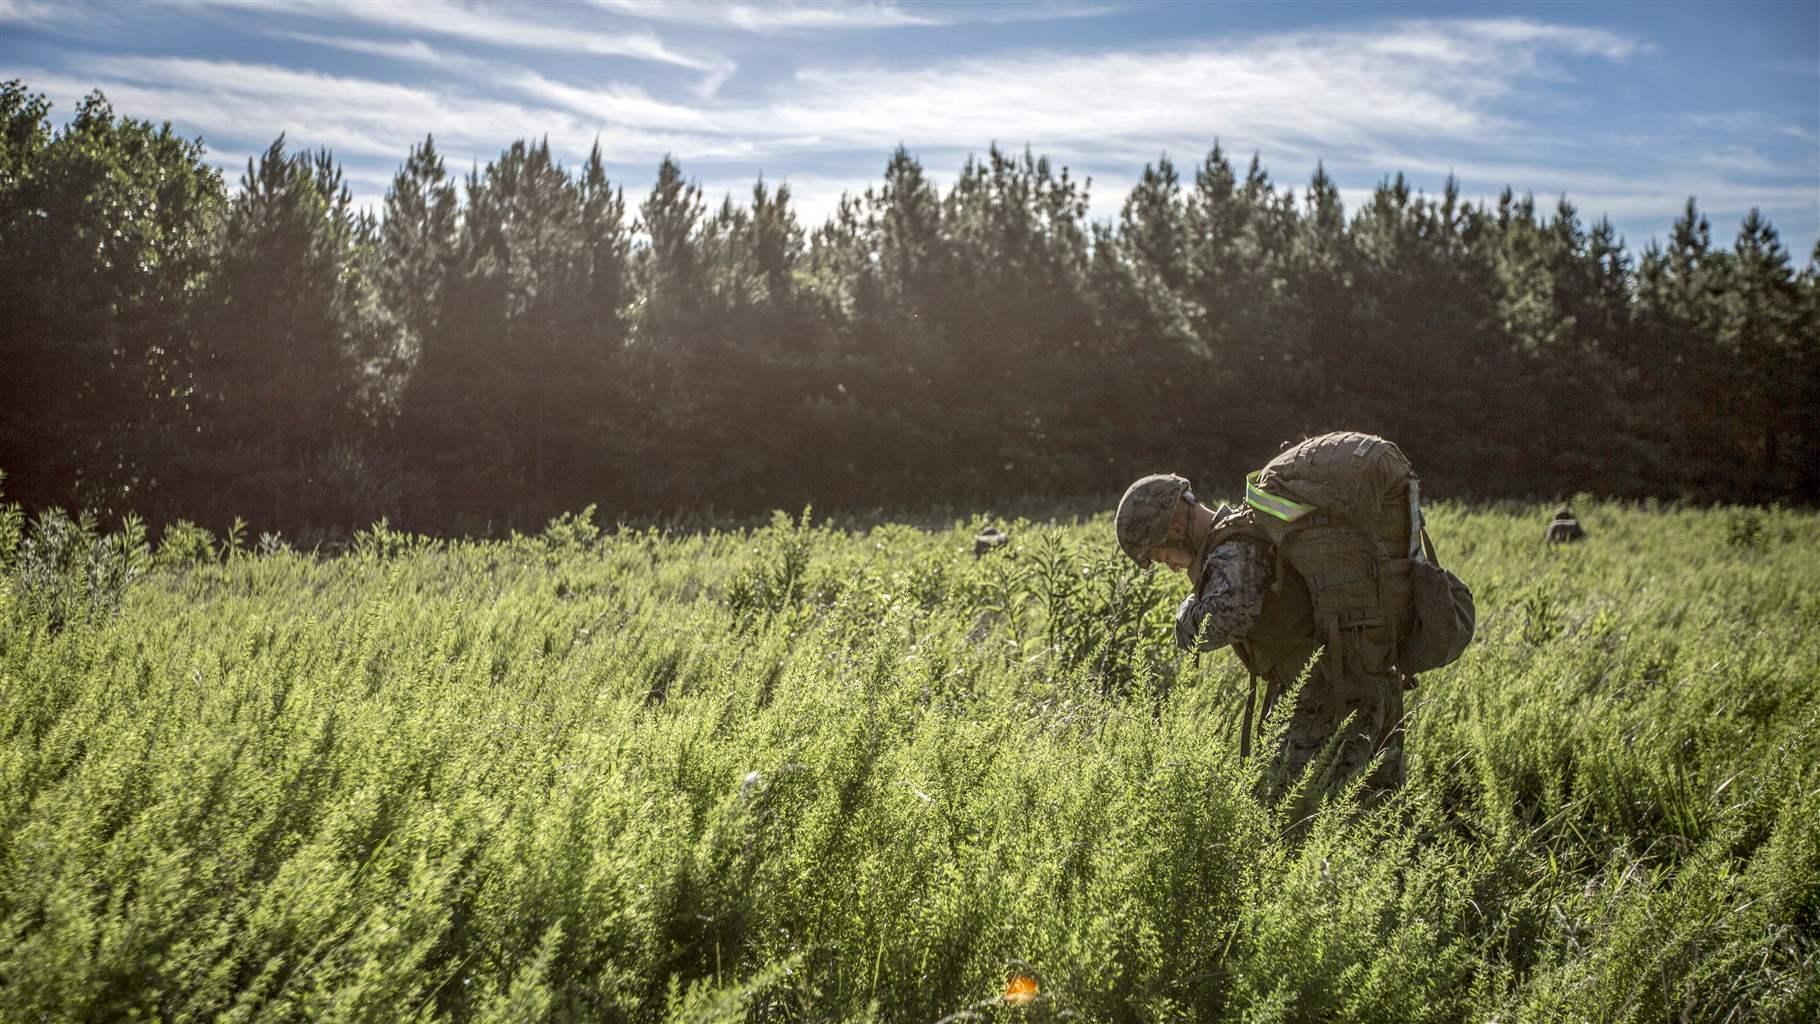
[1020,991]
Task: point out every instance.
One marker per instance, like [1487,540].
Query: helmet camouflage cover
[1145,511]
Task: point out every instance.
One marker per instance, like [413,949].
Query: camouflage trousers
[1361,715]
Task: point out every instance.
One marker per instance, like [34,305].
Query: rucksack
[1343,510]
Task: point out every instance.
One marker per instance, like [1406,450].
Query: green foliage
[1744,528]
[65,570]
[483,355]
[291,335]
[776,580]
[183,545]
[12,528]
[572,777]
[572,531]
[110,224]
[381,542]
[1098,610]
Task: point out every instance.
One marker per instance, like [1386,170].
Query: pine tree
[670,265]
[285,345]
[1225,294]
[1153,223]
[417,244]
[907,242]
[516,372]
[1013,326]
[1307,365]
[1805,451]
[606,241]
[1761,340]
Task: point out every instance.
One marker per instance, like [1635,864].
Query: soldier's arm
[1232,584]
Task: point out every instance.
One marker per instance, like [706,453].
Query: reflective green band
[1264,501]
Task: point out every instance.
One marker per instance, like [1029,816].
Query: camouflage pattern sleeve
[1233,581]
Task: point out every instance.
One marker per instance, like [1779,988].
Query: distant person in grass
[1565,527]
[1328,553]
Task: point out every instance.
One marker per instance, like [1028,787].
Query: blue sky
[1626,108]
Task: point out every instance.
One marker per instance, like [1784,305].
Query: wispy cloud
[1011,14]
[1296,95]
[616,104]
[235,104]
[491,26]
[26,10]
[56,17]
[1334,90]
[1737,158]
[781,16]
[1578,39]
[414,50]
[770,17]
[1753,121]
[1477,97]
[1289,95]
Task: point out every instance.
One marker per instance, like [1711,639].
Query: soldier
[989,540]
[1251,567]
[1564,528]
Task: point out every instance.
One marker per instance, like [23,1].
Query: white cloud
[485,24]
[1743,159]
[1424,86]
[1331,91]
[1011,14]
[618,104]
[781,16]
[1577,39]
[770,17]
[26,10]
[1290,96]
[233,103]
[58,18]
[1416,96]
[1754,122]
[415,51]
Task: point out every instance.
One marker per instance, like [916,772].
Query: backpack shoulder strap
[1280,507]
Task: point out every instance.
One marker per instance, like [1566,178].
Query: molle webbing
[1343,511]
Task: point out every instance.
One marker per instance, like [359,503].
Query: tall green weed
[811,773]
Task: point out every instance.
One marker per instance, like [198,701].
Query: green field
[822,772]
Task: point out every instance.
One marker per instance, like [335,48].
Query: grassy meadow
[824,772]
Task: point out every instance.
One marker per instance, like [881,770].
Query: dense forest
[486,352]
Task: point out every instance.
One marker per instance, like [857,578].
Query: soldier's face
[1173,552]
[1173,557]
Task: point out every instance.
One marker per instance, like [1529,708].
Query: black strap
[1272,690]
[1251,699]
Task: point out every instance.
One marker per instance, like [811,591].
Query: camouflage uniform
[1564,528]
[1237,599]
[1234,578]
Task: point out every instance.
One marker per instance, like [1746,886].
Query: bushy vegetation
[484,352]
[815,772]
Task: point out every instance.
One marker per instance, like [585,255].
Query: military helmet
[1145,512]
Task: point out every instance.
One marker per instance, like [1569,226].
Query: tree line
[493,349]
